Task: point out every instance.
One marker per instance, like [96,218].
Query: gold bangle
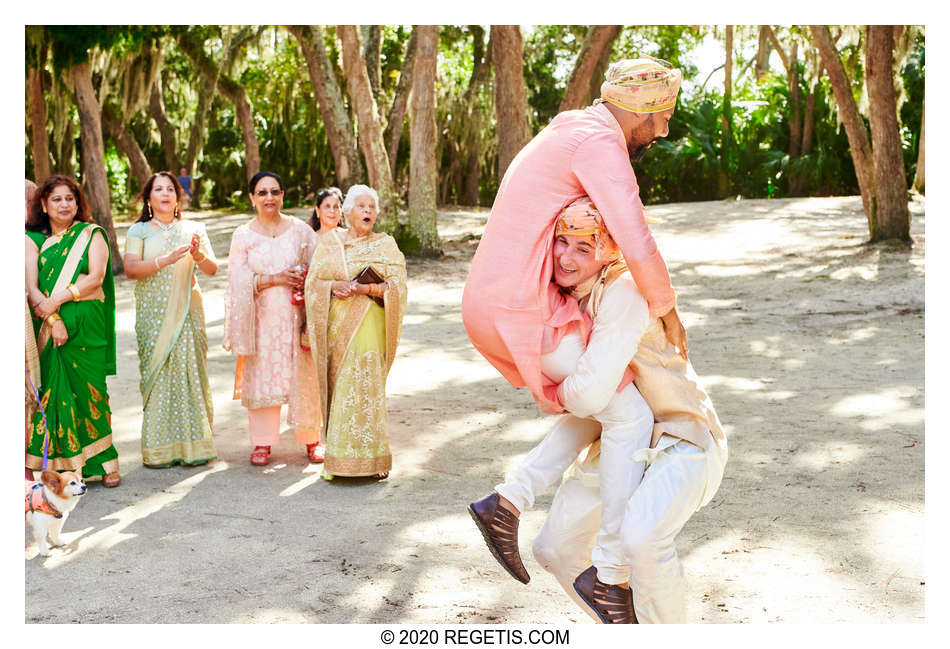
[75,291]
[51,318]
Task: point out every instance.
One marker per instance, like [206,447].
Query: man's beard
[638,152]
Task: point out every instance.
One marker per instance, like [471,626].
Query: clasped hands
[341,289]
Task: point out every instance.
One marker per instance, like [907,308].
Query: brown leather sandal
[611,603]
[260,456]
[111,479]
[500,529]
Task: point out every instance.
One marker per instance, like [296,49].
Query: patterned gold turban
[644,85]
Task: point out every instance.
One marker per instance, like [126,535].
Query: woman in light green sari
[162,252]
[71,291]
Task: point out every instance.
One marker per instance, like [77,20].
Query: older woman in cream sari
[354,326]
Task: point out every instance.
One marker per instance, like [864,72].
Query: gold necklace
[61,234]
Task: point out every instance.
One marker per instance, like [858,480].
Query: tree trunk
[336,121]
[848,111]
[233,91]
[197,135]
[891,214]
[472,146]
[400,100]
[808,127]
[40,137]
[762,55]
[93,157]
[511,109]
[790,63]
[63,164]
[423,173]
[372,52]
[598,41]
[370,132]
[156,108]
[127,145]
[919,174]
[724,184]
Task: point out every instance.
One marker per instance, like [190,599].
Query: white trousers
[624,426]
[679,479]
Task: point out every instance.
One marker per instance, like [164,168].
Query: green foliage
[686,166]
[117,171]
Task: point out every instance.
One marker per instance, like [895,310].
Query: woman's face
[574,260]
[268,197]
[163,198]
[363,215]
[329,213]
[61,205]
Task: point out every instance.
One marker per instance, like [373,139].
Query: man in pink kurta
[509,306]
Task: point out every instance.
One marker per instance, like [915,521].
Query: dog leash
[39,402]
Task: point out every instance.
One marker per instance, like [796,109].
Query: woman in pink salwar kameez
[263,321]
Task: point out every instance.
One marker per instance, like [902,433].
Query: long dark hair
[38,220]
[256,178]
[147,213]
[324,193]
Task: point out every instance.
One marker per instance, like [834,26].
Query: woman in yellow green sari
[163,252]
[71,291]
[354,329]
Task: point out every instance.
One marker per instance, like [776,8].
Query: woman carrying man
[676,463]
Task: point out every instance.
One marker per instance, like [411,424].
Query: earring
[148,209]
[177,213]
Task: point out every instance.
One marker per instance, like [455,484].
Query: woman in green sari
[163,252]
[71,291]
[354,329]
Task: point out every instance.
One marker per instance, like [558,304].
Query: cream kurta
[263,329]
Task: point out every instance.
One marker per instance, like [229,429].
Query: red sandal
[315,452]
[260,456]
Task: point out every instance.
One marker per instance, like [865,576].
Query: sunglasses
[272,192]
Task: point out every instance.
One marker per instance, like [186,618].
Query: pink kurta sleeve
[239,314]
[603,169]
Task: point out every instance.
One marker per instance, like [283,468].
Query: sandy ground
[810,343]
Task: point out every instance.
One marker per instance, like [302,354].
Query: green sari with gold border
[73,377]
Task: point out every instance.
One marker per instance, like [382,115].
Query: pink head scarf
[643,85]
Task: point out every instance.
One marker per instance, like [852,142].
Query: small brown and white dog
[48,503]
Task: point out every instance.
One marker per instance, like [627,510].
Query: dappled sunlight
[312,473]
[897,532]
[772,575]
[884,409]
[713,303]
[271,616]
[755,388]
[414,374]
[739,270]
[415,319]
[867,273]
[771,347]
[825,455]
[108,537]
[856,336]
